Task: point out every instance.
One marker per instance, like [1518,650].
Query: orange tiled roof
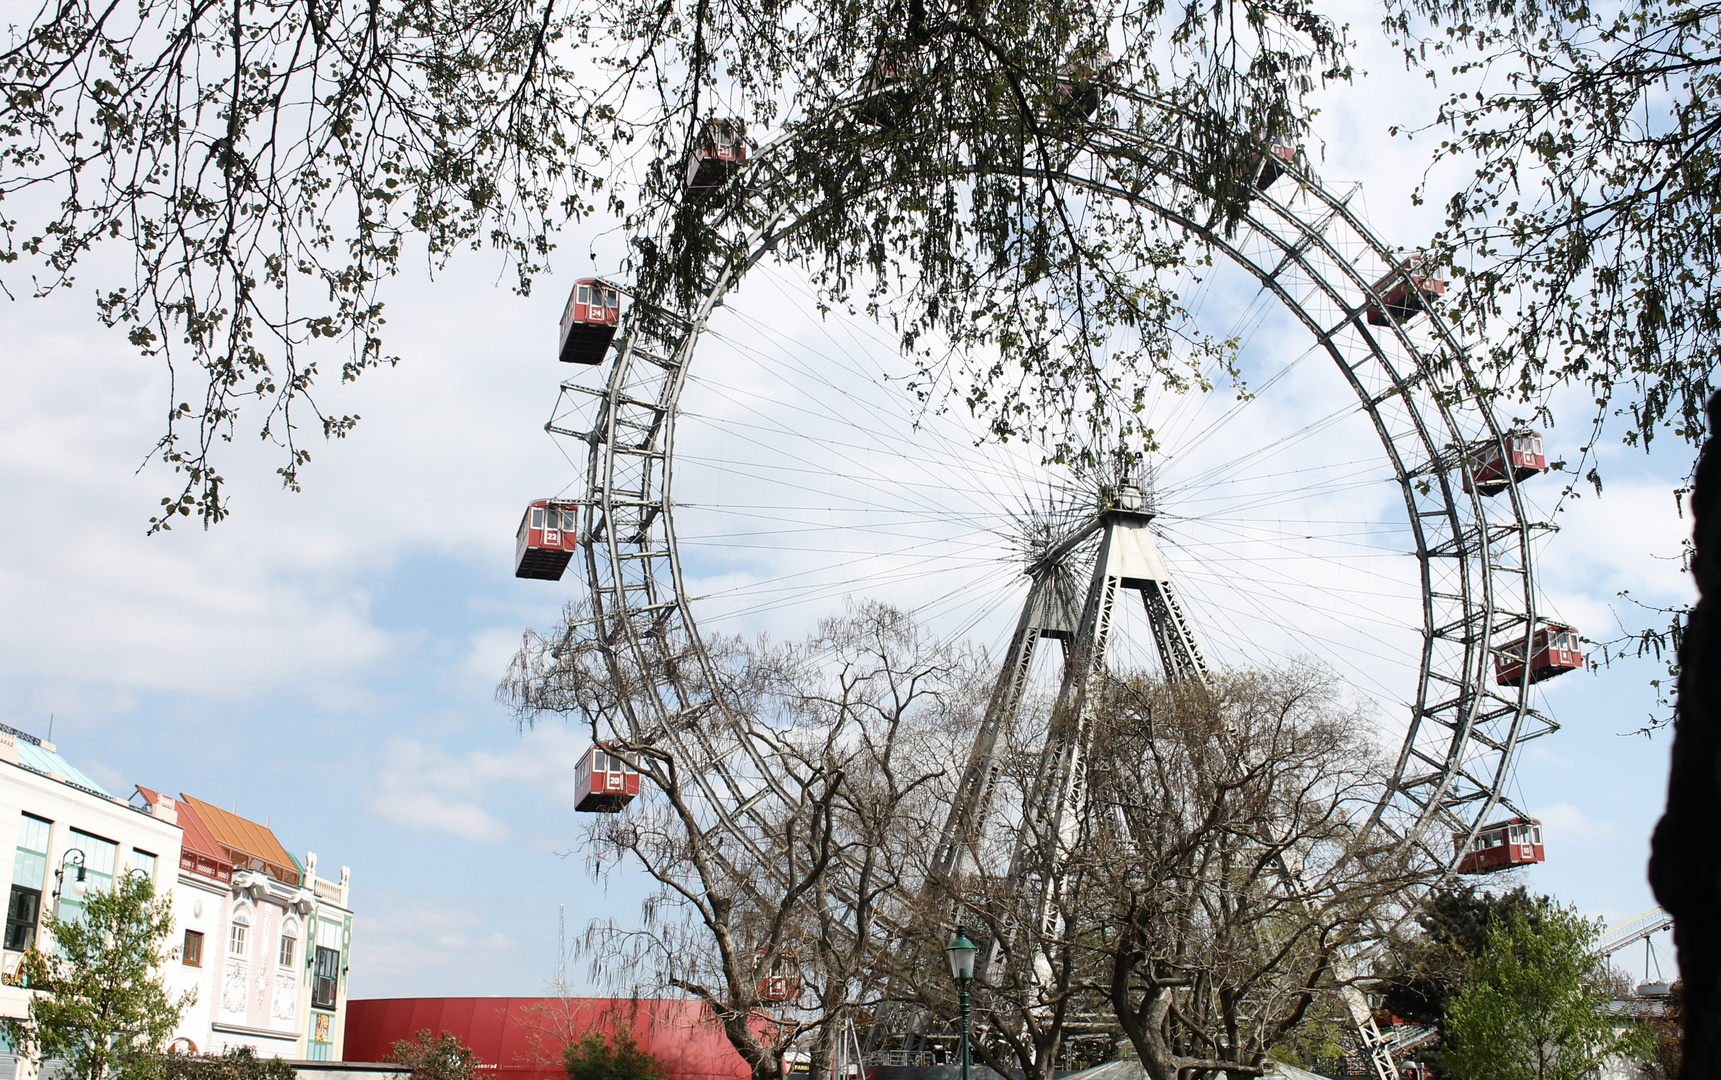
[248,845]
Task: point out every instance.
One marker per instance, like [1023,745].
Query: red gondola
[1268,167]
[1500,846]
[589,322]
[778,987]
[1404,291]
[1524,459]
[1079,84]
[718,156]
[549,535]
[1554,650]
[888,100]
[603,783]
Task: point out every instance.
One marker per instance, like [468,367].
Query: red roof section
[199,851]
[523,1038]
[197,835]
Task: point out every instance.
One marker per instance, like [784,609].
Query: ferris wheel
[745,463]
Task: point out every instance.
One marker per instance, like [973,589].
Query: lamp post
[73,860]
[961,952]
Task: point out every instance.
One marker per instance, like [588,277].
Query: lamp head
[961,953]
[74,862]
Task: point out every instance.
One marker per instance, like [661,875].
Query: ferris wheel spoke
[876,373]
[858,453]
[1358,605]
[1333,651]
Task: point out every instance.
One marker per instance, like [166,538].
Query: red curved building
[523,1038]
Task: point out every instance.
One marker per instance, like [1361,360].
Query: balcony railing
[198,863]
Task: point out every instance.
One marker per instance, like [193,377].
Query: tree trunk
[1685,854]
[764,1062]
[1146,1031]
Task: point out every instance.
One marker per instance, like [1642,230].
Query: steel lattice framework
[1306,246]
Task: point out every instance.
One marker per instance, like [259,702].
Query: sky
[327,660]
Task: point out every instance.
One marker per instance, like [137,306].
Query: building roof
[1638,1008]
[246,844]
[41,757]
[197,837]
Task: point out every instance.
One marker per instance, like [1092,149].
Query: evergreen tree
[239,1063]
[442,1057]
[103,1001]
[1426,971]
[617,1057]
[1534,1005]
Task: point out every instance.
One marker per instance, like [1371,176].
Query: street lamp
[961,952]
[73,860]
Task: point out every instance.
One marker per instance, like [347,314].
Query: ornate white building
[259,937]
[262,939]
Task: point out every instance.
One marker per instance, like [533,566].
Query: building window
[29,872]
[21,914]
[143,860]
[100,857]
[192,953]
[289,945]
[325,978]
[236,935]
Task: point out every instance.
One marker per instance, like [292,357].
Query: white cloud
[427,789]
[491,650]
[1563,823]
[407,944]
[277,597]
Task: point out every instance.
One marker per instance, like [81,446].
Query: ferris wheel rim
[772,228]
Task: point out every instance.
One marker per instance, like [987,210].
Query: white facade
[50,823]
[265,959]
[260,959]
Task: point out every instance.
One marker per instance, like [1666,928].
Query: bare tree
[782,862]
[1218,892]
[1042,986]
[1229,885]
[1040,981]
[1212,900]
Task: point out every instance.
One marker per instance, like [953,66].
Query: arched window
[289,944]
[239,935]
